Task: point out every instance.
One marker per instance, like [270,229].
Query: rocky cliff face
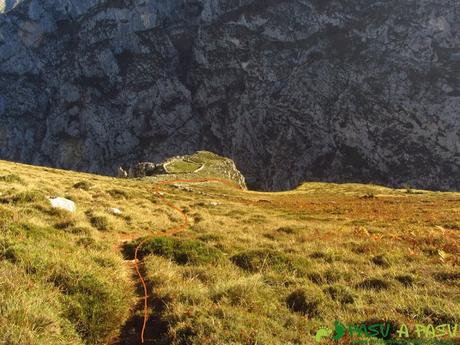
[292,90]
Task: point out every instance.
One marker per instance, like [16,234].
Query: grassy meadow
[253,268]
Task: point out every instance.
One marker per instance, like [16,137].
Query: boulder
[63,204]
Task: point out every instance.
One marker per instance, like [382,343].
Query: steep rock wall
[291,90]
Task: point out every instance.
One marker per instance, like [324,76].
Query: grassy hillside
[253,268]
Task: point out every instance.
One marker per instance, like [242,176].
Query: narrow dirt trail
[143,284]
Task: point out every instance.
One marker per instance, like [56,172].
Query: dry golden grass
[254,268]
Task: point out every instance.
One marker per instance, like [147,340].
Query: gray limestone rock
[291,90]
[145,169]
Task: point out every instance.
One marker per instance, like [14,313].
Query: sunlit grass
[265,268]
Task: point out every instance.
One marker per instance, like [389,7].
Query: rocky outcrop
[146,169]
[200,165]
[291,90]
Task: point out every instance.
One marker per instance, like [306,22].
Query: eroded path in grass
[143,285]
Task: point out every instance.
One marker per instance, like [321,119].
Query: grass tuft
[376,284]
[86,242]
[287,230]
[381,260]
[65,223]
[340,294]
[306,302]
[99,222]
[326,257]
[26,197]
[180,251]
[447,277]
[258,260]
[84,185]
[118,194]
[12,178]
[406,280]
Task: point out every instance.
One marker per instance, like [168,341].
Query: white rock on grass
[115,211]
[63,204]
